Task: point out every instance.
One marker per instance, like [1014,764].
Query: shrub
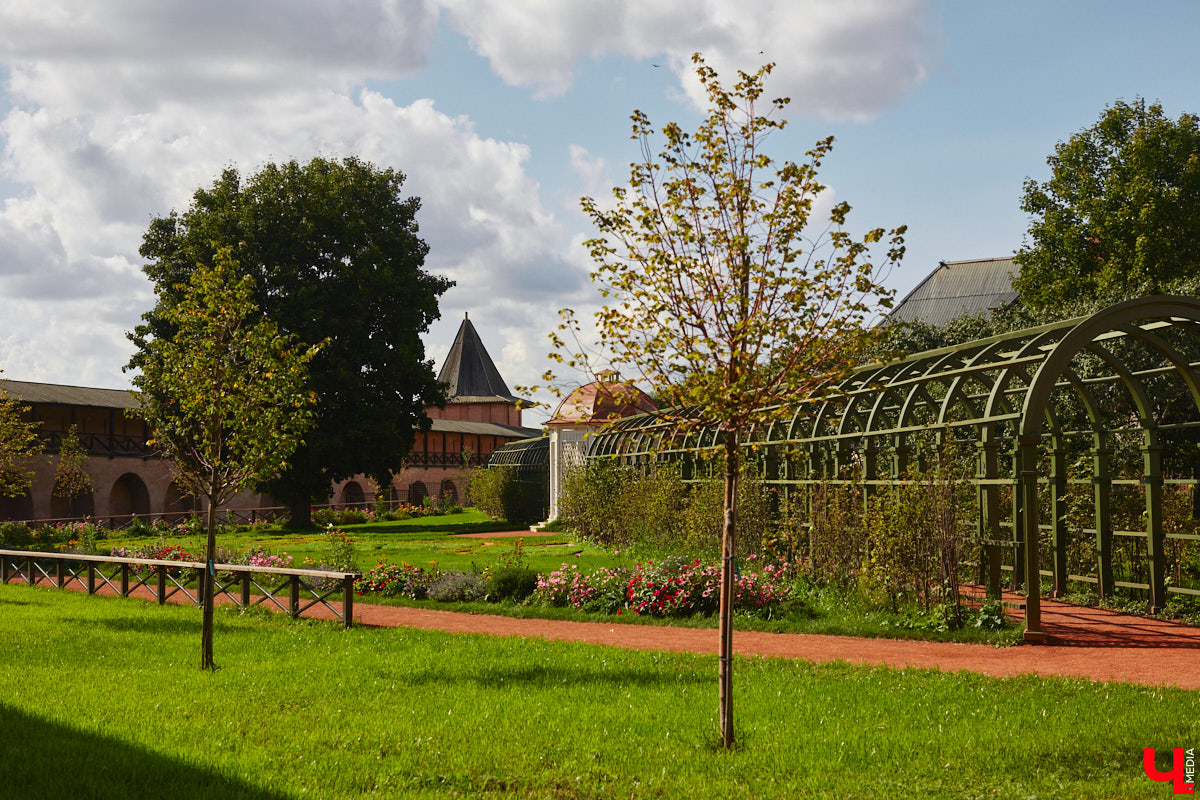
[142,529]
[592,501]
[915,536]
[615,505]
[496,492]
[342,555]
[837,541]
[674,587]
[159,551]
[342,516]
[15,535]
[512,583]
[394,580]
[602,591]
[453,586]
[258,557]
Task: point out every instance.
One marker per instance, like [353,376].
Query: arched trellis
[1058,401]
[530,458]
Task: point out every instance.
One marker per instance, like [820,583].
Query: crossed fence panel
[164,579]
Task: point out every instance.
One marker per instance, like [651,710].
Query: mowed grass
[101,697]
[419,541]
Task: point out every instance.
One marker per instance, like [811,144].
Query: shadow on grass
[554,676]
[150,624]
[419,527]
[40,758]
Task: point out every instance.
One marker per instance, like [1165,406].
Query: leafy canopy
[71,476]
[718,293]
[333,248]
[18,441]
[1119,216]
[225,394]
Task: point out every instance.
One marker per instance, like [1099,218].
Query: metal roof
[482,428]
[470,372]
[956,289]
[122,399]
[68,395]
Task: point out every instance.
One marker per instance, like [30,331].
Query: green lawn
[102,698]
[414,541]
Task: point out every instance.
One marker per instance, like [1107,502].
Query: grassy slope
[109,703]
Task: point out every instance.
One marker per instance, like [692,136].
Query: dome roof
[601,401]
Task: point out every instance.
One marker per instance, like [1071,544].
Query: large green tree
[1119,216]
[223,394]
[333,248]
[719,293]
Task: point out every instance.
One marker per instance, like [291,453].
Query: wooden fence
[304,588]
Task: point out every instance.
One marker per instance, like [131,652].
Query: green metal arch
[1003,389]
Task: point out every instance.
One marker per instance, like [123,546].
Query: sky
[502,114]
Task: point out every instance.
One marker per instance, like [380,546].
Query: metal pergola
[1081,414]
[530,458]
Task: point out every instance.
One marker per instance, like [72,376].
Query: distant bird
[654,65]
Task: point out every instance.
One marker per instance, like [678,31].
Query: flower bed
[671,588]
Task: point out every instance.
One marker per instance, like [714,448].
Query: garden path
[1089,643]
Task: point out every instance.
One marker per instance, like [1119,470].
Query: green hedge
[618,506]
[496,492]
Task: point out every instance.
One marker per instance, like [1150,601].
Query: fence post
[347,601]
[294,599]
[60,571]
[162,584]
[245,590]
[124,580]
[91,581]
[3,569]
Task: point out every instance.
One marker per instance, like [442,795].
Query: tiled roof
[470,373]
[958,288]
[601,401]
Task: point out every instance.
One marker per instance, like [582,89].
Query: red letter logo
[1177,777]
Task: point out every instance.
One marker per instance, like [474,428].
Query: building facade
[129,478]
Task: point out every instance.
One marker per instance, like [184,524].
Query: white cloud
[85,54]
[844,60]
[593,172]
[121,109]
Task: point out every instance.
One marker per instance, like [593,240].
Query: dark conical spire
[469,370]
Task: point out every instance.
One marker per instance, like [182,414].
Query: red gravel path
[1088,643]
[1083,643]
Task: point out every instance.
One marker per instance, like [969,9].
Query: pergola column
[1153,480]
[1058,511]
[1102,496]
[1018,506]
[1027,487]
[988,494]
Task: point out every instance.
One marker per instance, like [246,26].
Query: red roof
[601,401]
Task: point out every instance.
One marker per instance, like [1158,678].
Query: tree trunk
[728,527]
[300,513]
[206,626]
